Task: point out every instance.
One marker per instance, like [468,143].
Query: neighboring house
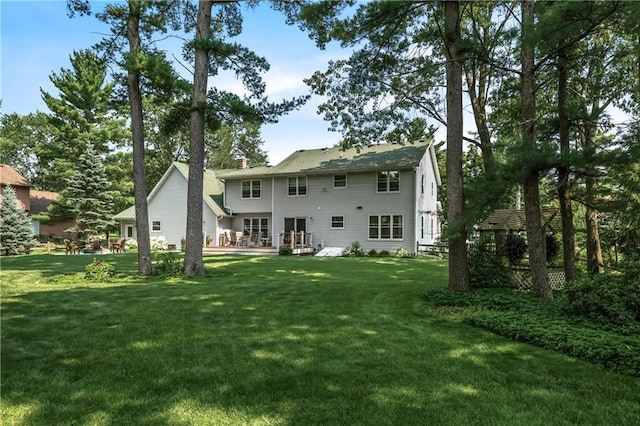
[33,201]
[383,196]
[10,177]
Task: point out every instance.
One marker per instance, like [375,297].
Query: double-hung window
[385,227]
[297,185]
[155,225]
[340,181]
[251,188]
[389,181]
[337,222]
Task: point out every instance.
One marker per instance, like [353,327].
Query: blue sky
[38,38]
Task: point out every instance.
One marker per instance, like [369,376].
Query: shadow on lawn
[304,353]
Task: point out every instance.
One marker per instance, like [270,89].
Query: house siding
[234,200]
[169,207]
[427,203]
[323,201]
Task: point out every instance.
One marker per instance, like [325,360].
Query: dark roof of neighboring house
[40,200]
[515,220]
[9,176]
[384,156]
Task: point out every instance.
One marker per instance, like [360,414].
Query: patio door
[295,224]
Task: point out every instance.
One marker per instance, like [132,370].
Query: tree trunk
[137,134]
[535,235]
[193,263]
[458,270]
[564,196]
[595,263]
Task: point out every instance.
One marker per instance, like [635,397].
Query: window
[155,225]
[340,181]
[432,189]
[298,185]
[422,185]
[389,181]
[337,222]
[385,227]
[251,189]
[255,224]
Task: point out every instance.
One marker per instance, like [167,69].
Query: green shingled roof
[331,160]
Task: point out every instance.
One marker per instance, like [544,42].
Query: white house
[384,196]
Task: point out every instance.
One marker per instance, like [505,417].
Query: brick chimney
[241,163]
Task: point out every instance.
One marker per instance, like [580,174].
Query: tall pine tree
[88,193]
[16,235]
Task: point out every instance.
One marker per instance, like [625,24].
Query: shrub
[372,253]
[285,251]
[552,246]
[167,264]
[487,268]
[355,250]
[130,243]
[402,252]
[99,270]
[158,243]
[514,249]
[604,298]
[384,253]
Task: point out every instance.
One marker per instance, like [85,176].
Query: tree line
[539,79]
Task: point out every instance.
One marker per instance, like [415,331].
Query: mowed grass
[275,341]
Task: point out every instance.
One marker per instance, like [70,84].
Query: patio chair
[118,246]
[235,241]
[71,248]
[254,240]
[96,245]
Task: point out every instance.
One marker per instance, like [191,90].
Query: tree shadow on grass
[238,348]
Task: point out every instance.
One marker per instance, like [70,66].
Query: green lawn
[275,341]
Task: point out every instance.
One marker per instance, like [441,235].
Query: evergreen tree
[16,234]
[81,112]
[88,193]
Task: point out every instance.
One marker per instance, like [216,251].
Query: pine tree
[88,193]
[16,234]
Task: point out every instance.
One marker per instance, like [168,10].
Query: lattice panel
[522,279]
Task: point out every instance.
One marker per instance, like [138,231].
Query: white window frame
[388,177]
[256,224]
[297,186]
[345,181]
[331,222]
[153,226]
[252,182]
[393,220]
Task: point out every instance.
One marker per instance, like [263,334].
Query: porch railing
[295,239]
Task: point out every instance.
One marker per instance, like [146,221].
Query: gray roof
[331,160]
